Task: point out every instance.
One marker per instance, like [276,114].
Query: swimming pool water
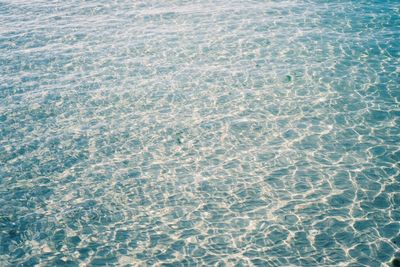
[199,133]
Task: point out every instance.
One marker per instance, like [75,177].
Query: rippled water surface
[199,133]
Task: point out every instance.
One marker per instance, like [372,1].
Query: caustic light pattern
[199,133]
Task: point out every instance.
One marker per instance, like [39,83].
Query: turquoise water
[199,133]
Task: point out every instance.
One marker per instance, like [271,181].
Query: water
[199,133]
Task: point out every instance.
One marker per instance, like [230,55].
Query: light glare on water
[199,133]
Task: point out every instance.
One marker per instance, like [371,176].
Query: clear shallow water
[187,133]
